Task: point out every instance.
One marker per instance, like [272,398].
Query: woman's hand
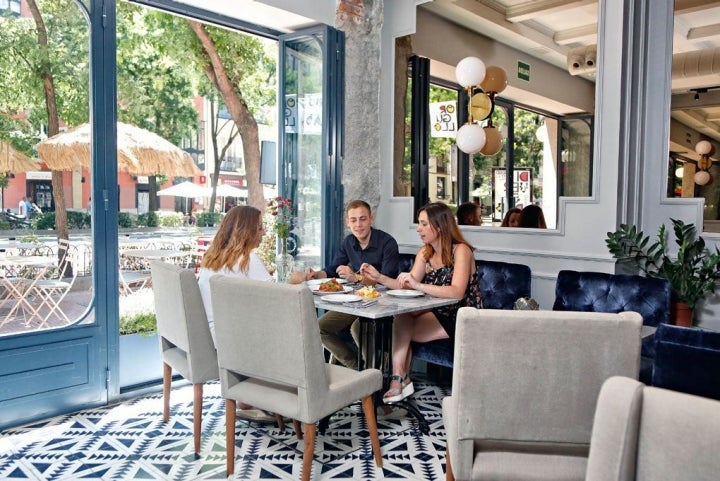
[369,271]
[407,281]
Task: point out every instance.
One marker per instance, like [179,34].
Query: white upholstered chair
[270,356]
[644,433]
[525,385]
[185,339]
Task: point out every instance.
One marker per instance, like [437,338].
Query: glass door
[310,147]
[54,342]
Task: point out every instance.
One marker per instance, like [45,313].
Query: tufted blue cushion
[602,292]
[501,284]
[687,360]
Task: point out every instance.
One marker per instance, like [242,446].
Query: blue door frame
[50,372]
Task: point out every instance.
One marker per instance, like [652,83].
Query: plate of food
[330,286]
[341,298]
[404,293]
[317,282]
[368,292]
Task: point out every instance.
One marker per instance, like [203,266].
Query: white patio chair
[51,291]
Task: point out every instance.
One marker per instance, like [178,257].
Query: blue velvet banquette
[603,292]
[501,283]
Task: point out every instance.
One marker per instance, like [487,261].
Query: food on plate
[369,292]
[331,285]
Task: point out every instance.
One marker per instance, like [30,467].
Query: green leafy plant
[693,274]
[137,313]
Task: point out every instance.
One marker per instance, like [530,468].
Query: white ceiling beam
[500,23]
[584,34]
[707,31]
[530,9]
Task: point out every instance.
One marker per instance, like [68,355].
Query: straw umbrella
[12,160]
[140,152]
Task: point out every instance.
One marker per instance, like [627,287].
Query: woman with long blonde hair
[232,253]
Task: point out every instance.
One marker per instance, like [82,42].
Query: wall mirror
[695,109]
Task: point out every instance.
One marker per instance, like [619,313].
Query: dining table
[376,317]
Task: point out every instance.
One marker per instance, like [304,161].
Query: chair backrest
[268,331]
[528,380]
[182,325]
[645,433]
[687,360]
[603,292]
[502,283]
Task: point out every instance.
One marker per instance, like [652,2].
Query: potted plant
[692,274]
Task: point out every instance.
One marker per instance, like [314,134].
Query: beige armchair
[185,340]
[524,389]
[270,356]
[643,433]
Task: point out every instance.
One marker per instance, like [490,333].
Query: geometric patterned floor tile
[129,441]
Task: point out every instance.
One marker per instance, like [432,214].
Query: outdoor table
[142,256]
[18,275]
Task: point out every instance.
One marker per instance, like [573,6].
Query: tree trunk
[45,73]
[246,124]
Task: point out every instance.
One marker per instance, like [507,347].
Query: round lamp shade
[493,141]
[470,71]
[495,80]
[470,138]
[481,106]
[702,177]
[704,147]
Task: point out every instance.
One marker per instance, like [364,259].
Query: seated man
[363,245]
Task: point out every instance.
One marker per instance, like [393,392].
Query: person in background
[532,216]
[232,253]
[512,218]
[29,209]
[444,267]
[22,208]
[364,245]
[469,213]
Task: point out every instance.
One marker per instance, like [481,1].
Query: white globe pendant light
[470,71]
[470,138]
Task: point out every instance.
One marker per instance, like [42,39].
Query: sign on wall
[522,192]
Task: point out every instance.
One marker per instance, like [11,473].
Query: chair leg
[197,415]
[167,377]
[369,410]
[449,476]
[280,422]
[308,451]
[230,407]
[298,431]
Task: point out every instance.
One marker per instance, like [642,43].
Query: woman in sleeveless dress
[443,267]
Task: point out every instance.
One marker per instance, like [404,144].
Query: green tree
[239,69]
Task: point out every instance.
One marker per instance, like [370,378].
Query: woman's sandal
[397,395]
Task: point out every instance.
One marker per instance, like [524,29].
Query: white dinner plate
[316,290]
[341,298]
[404,293]
[317,282]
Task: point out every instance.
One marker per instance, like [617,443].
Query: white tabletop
[386,306]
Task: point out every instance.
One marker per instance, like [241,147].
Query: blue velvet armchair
[501,283]
[602,292]
[687,360]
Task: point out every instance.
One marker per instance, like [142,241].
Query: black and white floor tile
[129,441]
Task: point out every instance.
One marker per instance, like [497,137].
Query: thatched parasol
[140,152]
[12,160]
